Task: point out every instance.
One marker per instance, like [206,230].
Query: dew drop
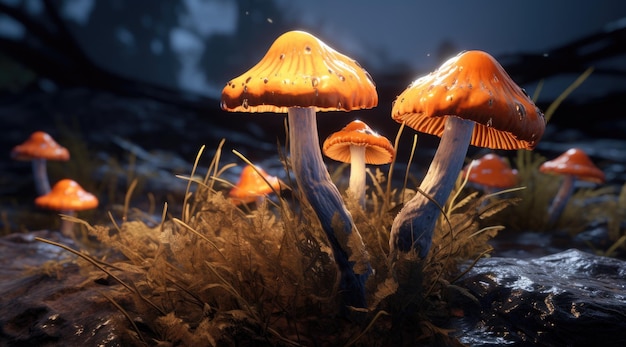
[245,89]
[330,71]
[307,50]
[315,81]
[490,122]
[244,104]
[341,78]
[265,80]
[521,111]
[449,98]
[282,56]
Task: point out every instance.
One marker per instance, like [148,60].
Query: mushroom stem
[413,227]
[314,181]
[560,199]
[67,227]
[40,175]
[357,173]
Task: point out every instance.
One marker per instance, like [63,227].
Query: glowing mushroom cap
[492,171]
[299,70]
[251,185]
[574,162]
[378,149]
[40,145]
[67,195]
[473,86]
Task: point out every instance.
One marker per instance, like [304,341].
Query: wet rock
[571,298]
[54,307]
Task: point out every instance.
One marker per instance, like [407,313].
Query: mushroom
[253,186]
[470,99]
[358,145]
[39,148]
[68,197]
[301,75]
[574,165]
[491,172]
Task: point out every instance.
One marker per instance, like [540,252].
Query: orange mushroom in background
[358,145]
[491,172]
[253,186]
[469,100]
[67,196]
[39,148]
[300,75]
[573,165]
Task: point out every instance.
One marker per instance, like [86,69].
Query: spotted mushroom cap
[40,145]
[251,185]
[574,162]
[474,86]
[299,70]
[67,195]
[493,171]
[378,149]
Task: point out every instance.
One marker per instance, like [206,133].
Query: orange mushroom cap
[574,162]
[252,186]
[378,149]
[67,195]
[299,70]
[492,171]
[473,86]
[40,145]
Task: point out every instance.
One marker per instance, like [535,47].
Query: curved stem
[413,227]
[357,173]
[560,199]
[40,175]
[314,181]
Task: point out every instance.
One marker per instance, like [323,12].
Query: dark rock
[39,308]
[570,298]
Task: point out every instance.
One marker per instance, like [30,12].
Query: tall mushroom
[470,99]
[358,145]
[68,197]
[301,75]
[39,148]
[573,164]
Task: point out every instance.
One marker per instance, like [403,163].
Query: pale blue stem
[314,181]
[413,227]
[40,176]
[560,199]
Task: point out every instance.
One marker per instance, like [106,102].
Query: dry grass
[219,275]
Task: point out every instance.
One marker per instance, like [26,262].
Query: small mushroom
[253,186]
[301,75]
[573,165]
[67,196]
[491,172]
[470,99]
[358,145]
[39,148]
